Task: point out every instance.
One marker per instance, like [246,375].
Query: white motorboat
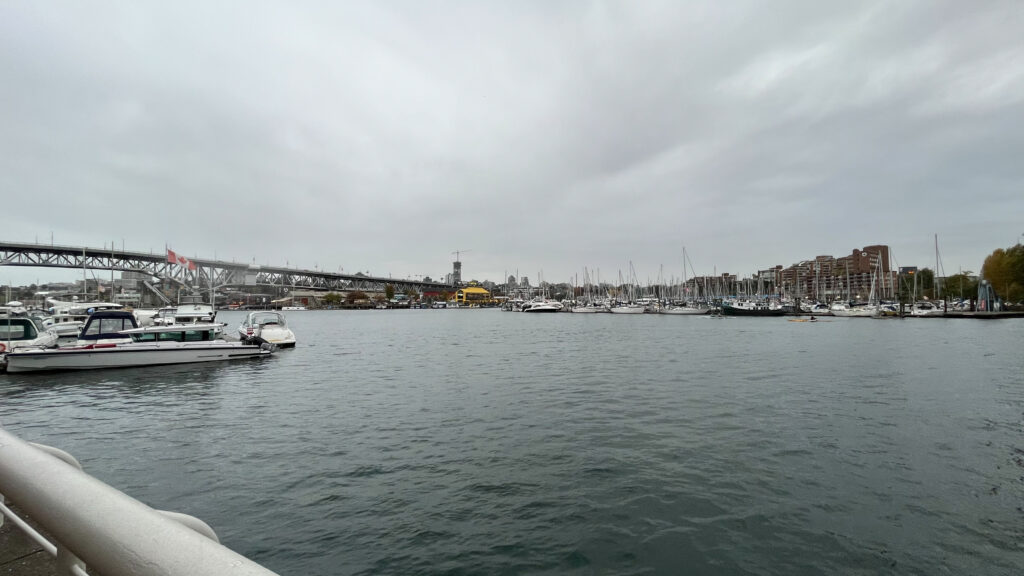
[70,317]
[926,308]
[161,317]
[683,310]
[542,305]
[21,331]
[291,308]
[628,309]
[191,309]
[150,346]
[268,325]
[147,316]
[843,310]
[815,308]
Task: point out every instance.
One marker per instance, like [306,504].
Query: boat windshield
[17,329]
[268,319]
[108,326]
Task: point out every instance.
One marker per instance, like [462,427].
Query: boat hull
[126,357]
[683,311]
[864,312]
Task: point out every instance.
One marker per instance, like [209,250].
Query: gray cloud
[543,136]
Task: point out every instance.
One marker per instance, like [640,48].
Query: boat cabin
[17,329]
[192,310]
[106,325]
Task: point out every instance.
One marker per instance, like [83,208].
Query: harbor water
[484,442]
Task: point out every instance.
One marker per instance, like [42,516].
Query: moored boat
[683,310]
[22,331]
[542,305]
[191,309]
[926,308]
[628,309]
[149,346]
[751,308]
[268,325]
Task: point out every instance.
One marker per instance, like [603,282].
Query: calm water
[483,442]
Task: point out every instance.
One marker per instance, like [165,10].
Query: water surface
[477,441]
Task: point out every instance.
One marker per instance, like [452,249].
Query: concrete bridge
[207,272]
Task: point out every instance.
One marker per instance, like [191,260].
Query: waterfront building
[473,295]
[849,277]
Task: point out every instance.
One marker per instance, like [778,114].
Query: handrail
[111,532]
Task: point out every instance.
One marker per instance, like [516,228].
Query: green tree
[389,292]
[959,286]
[332,298]
[1004,269]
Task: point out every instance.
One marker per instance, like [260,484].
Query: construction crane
[458,252]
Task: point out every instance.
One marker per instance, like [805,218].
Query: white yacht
[683,310]
[628,309]
[191,309]
[542,305]
[926,308]
[845,310]
[268,325]
[70,317]
[150,346]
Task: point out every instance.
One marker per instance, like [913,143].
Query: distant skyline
[40,275]
[532,136]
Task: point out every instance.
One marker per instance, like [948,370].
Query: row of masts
[880,284]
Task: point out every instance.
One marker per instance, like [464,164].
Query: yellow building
[471,295]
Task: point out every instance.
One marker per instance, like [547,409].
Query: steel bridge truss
[207,273]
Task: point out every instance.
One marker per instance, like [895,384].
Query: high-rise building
[456,273]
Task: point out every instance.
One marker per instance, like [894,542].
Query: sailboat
[688,307]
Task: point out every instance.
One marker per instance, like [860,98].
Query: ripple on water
[467,442]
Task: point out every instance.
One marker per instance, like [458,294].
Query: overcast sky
[542,137]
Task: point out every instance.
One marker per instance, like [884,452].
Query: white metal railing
[96,525]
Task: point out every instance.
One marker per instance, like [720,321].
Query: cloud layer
[542,137]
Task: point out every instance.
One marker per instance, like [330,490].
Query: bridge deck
[208,272]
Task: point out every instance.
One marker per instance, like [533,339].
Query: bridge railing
[96,525]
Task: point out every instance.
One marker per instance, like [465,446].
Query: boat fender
[2,347]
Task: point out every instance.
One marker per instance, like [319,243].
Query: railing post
[68,562]
[97,525]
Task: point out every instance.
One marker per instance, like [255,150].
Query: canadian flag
[173,258]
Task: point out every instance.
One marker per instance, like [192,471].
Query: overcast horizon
[531,136]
